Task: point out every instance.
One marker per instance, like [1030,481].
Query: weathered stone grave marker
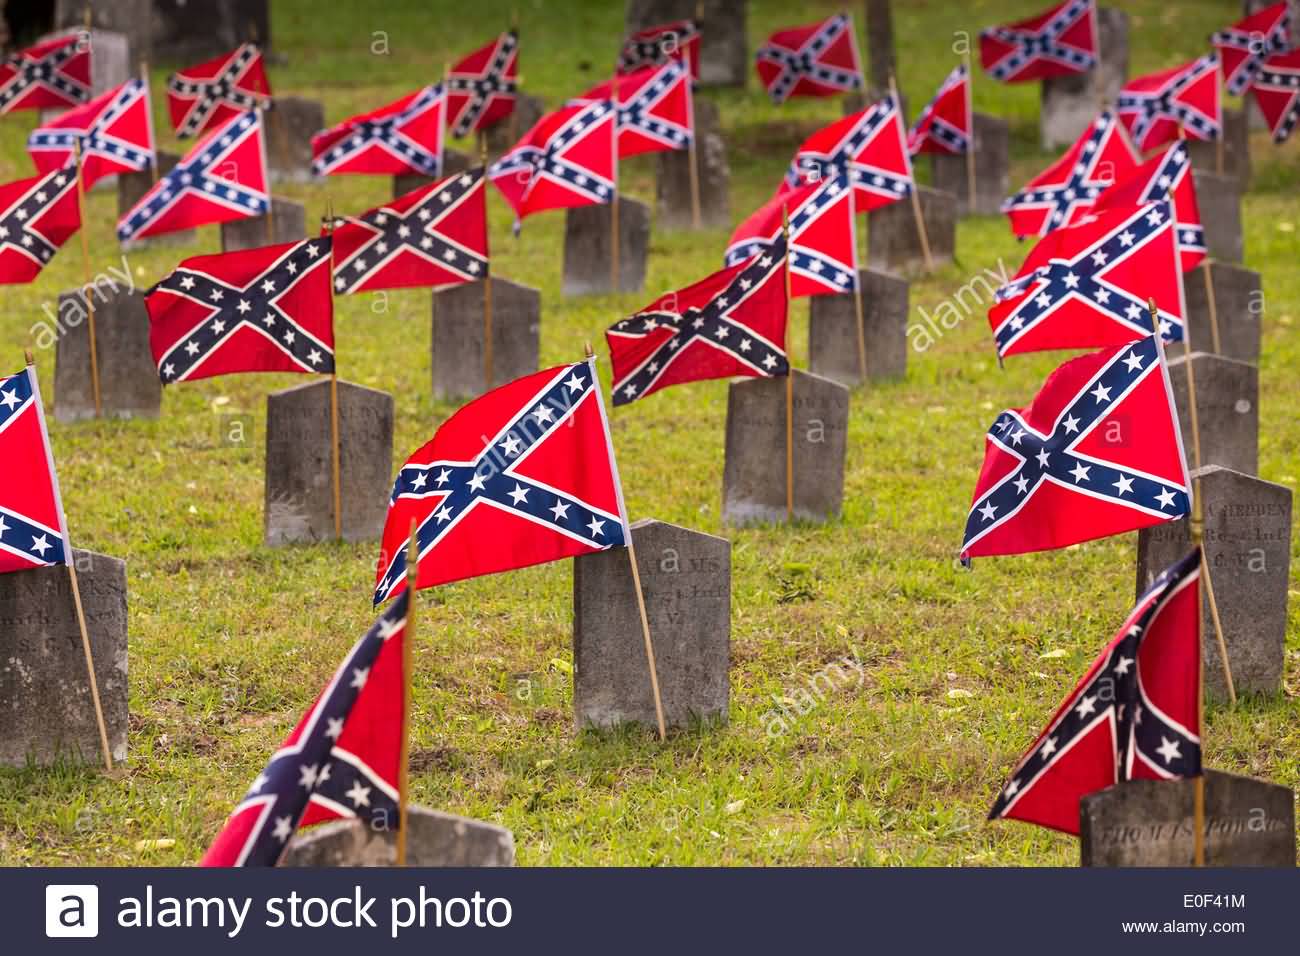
[1236,150]
[754,476]
[291,122]
[1227,407]
[1070,103]
[458,339]
[1151,823]
[433,838]
[129,386]
[686,580]
[1238,303]
[673,185]
[300,460]
[992,168]
[724,47]
[587,248]
[833,331]
[48,713]
[894,241]
[288,224]
[1218,199]
[188,32]
[1248,551]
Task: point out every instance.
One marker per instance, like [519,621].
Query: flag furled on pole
[655,46]
[214,92]
[258,310]
[37,216]
[823,237]
[52,75]
[566,160]
[944,126]
[1097,453]
[655,112]
[731,323]
[1276,89]
[1062,193]
[1135,715]
[1057,42]
[522,475]
[115,131]
[1089,284]
[1244,46]
[434,236]
[403,137]
[1165,178]
[819,59]
[867,148]
[481,88]
[223,178]
[1155,108]
[340,762]
[33,529]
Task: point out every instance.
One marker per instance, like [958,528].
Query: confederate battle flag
[655,46]
[404,136]
[340,762]
[37,216]
[1056,42]
[1156,108]
[1244,46]
[481,87]
[51,75]
[1276,89]
[819,59]
[1133,716]
[1166,177]
[214,92]
[522,475]
[944,126]
[33,530]
[1097,453]
[655,112]
[115,131]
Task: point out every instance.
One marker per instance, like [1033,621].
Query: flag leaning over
[1057,42]
[115,131]
[1135,715]
[1276,89]
[340,762]
[37,216]
[216,91]
[267,309]
[1164,178]
[201,190]
[51,75]
[434,236]
[1244,46]
[404,136]
[1088,285]
[818,59]
[1098,452]
[732,323]
[481,88]
[944,125]
[1156,109]
[654,46]
[1066,190]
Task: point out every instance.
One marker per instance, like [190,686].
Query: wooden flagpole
[636,584]
[916,197]
[87,289]
[487,292]
[857,287]
[408,638]
[970,142]
[613,206]
[789,384]
[144,78]
[336,450]
[100,723]
[1213,306]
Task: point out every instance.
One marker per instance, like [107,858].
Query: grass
[230,640]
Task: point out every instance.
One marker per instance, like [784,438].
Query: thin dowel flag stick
[86,290]
[404,750]
[789,384]
[970,142]
[613,204]
[487,291]
[857,290]
[100,723]
[916,197]
[153,160]
[636,570]
[336,450]
[693,161]
[1212,305]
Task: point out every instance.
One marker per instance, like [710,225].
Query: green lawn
[230,641]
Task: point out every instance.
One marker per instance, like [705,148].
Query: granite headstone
[724,47]
[587,249]
[1070,103]
[433,839]
[458,327]
[833,331]
[673,184]
[1236,149]
[1238,306]
[1227,407]
[288,223]
[127,18]
[129,386]
[881,60]
[992,168]
[188,32]
[291,122]
[1219,200]
[894,241]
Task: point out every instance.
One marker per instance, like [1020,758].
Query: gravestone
[724,47]
[1238,304]
[502,135]
[129,386]
[131,188]
[433,838]
[1152,823]
[880,42]
[1227,406]
[288,224]
[587,232]
[1218,198]
[1236,150]
[673,182]
[300,463]
[46,709]
[458,336]
[129,19]
[893,240]
[291,122]
[753,479]
[686,580]
[833,331]
[1248,550]
[992,168]
[453,161]
[189,32]
[1070,103]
